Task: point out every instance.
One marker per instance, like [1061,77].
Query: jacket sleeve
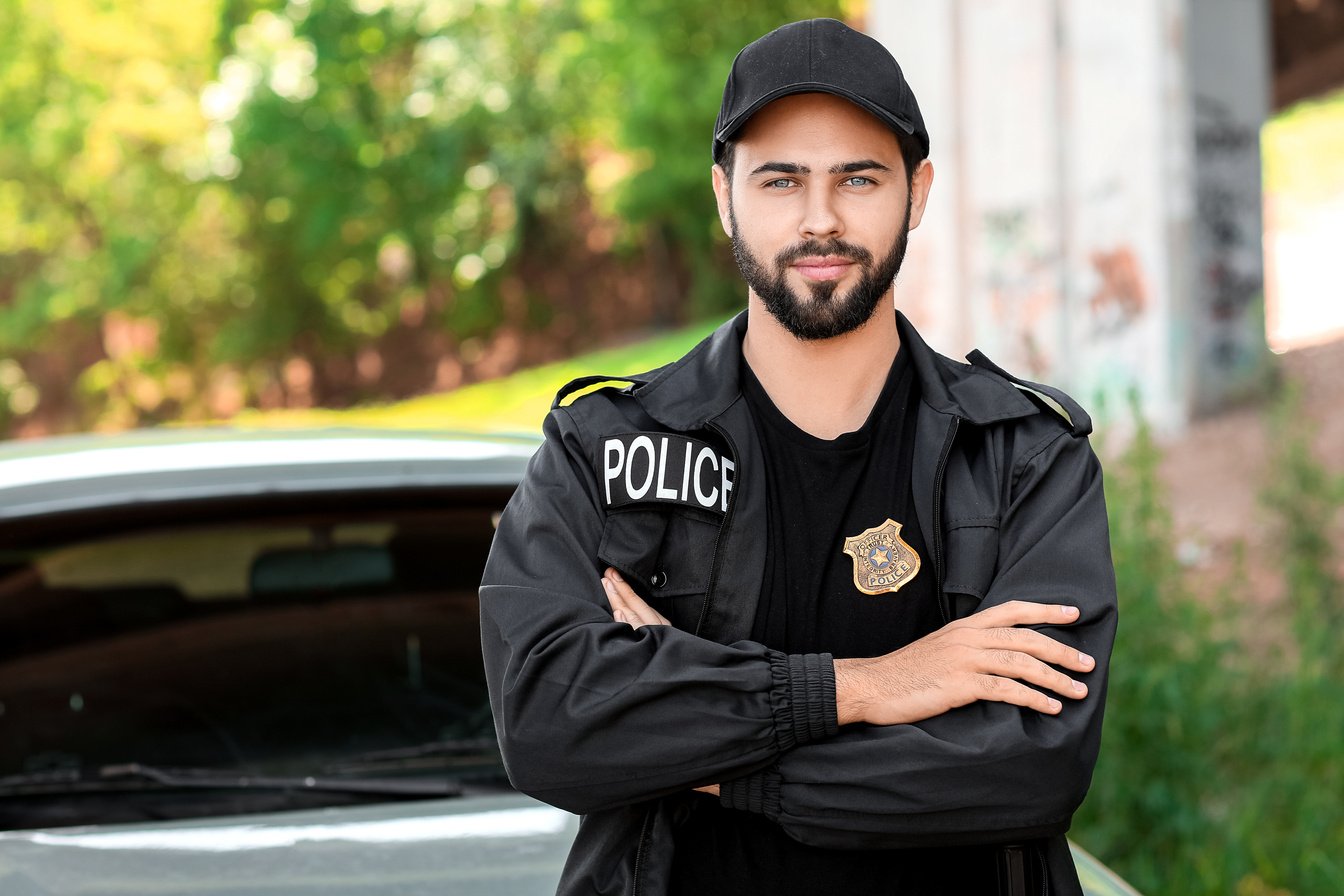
[986,772]
[591,713]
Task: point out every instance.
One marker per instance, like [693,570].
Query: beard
[825,314]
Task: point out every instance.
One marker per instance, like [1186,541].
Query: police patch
[661,468]
[882,560]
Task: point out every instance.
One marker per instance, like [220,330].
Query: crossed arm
[986,656]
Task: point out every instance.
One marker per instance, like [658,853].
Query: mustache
[839,247]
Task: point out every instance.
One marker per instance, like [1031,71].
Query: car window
[328,645]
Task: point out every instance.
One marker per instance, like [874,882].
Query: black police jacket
[662,479]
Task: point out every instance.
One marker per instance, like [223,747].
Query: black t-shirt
[823,492]
[823,496]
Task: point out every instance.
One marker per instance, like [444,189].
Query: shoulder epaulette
[1072,413]
[586,382]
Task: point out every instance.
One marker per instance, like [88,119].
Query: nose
[821,218]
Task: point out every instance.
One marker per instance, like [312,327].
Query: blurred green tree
[288,202]
[98,117]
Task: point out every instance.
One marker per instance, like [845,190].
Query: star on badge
[883,561]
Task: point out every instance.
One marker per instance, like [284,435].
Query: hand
[985,656]
[626,605]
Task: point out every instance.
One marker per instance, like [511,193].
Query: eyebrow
[782,168]
[844,168]
[861,165]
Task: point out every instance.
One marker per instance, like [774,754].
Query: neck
[825,387]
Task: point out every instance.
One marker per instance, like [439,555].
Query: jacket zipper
[644,833]
[718,539]
[938,570]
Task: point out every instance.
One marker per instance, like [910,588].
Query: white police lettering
[636,493]
[642,468]
[663,491]
[613,448]
[706,454]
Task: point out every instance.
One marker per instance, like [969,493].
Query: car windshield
[318,645]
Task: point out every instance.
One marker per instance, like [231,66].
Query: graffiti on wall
[1121,294]
[1021,276]
[1228,227]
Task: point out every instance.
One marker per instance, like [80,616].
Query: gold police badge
[882,560]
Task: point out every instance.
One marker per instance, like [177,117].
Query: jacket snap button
[658,579]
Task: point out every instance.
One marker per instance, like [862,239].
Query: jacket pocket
[665,555]
[972,558]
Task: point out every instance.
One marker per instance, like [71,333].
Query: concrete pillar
[1231,83]
[1095,217]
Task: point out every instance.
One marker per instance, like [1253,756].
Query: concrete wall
[1095,217]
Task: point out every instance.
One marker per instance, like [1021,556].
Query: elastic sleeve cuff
[757,792]
[802,693]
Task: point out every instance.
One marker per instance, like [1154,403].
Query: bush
[1219,770]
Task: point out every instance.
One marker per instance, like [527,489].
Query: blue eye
[859,180]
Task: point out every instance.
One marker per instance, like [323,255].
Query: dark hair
[911,155]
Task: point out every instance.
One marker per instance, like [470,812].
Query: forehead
[815,128]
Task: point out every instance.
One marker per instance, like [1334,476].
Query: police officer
[813,609]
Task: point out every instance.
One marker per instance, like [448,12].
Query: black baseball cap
[817,56]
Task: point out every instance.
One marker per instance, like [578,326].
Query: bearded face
[818,309]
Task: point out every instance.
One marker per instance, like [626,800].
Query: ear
[919,191]
[722,197]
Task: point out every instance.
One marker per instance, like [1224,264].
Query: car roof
[62,474]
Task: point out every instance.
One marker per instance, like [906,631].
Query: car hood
[499,844]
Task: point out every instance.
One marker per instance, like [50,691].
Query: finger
[633,603]
[617,608]
[1039,645]
[613,594]
[633,607]
[1013,664]
[1022,612]
[1005,690]
[636,611]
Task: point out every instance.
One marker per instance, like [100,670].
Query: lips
[823,267]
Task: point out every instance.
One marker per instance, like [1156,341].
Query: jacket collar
[688,394]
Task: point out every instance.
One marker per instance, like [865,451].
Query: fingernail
[1085,659]
[1055,705]
[608,587]
[1079,687]
[618,616]
[616,575]
[1069,611]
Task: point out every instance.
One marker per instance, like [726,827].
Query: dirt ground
[1216,470]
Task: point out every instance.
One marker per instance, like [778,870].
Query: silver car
[250,664]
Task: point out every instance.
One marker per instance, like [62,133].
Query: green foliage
[1295,807]
[1158,783]
[98,113]
[1219,770]
[393,156]
[205,206]
[664,119]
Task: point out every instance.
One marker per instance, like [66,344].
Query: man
[813,609]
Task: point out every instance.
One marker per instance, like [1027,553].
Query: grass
[511,404]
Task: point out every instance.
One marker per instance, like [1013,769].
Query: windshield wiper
[470,747]
[111,777]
